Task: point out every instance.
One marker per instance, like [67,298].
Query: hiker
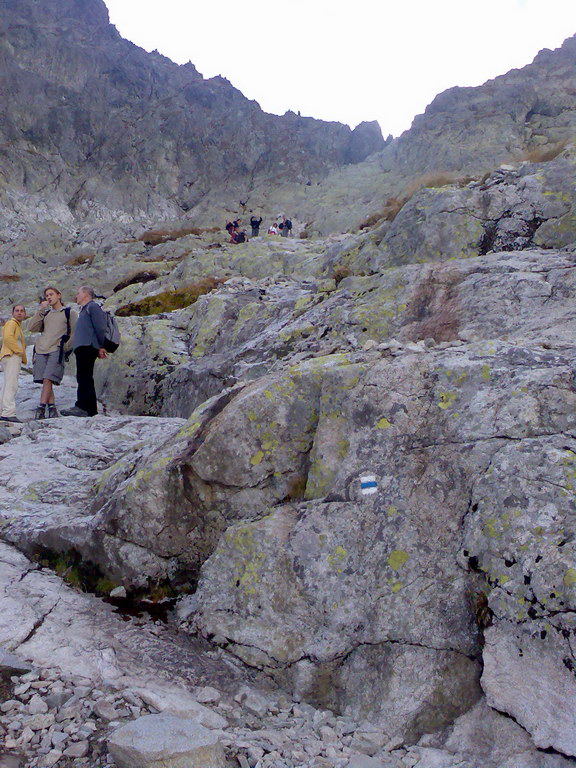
[56,324]
[273,229]
[88,344]
[12,355]
[255,224]
[286,227]
[238,237]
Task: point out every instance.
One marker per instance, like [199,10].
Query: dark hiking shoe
[74,411]
[40,412]
[52,412]
[13,419]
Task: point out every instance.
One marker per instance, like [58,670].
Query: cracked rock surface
[325,518]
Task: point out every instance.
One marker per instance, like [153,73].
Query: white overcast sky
[348,60]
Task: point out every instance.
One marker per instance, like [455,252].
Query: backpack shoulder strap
[67,311]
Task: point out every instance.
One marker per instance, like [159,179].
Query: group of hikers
[238,235]
[62,331]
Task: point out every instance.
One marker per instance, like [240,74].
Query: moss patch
[168,301]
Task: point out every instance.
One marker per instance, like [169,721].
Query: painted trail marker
[368,484]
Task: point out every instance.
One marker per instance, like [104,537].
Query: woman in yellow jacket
[12,355]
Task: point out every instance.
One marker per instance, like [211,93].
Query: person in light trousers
[12,355]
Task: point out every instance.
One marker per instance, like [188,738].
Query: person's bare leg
[47,394]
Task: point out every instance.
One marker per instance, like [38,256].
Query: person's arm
[98,318]
[36,322]
[12,338]
[73,321]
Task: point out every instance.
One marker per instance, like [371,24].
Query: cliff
[96,128]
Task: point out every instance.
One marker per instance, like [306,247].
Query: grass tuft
[78,261]
[341,271]
[158,236]
[546,152]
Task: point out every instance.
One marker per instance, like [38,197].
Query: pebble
[39,722]
[79,749]
[37,705]
[52,758]
[207,695]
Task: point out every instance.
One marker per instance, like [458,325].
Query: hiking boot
[13,419]
[40,412]
[74,411]
[52,412]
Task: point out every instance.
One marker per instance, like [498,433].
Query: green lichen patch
[446,399]
[397,559]
[337,559]
[570,577]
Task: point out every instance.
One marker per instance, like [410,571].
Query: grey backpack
[112,335]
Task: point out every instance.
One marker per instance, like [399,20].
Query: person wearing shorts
[56,324]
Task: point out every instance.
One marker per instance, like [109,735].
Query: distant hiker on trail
[238,237]
[233,226]
[255,224]
[56,324]
[88,342]
[12,355]
[273,229]
[286,227]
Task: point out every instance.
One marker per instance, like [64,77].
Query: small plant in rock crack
[482,611]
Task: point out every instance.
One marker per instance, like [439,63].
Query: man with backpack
[56,324]
[286,227]
[88,342]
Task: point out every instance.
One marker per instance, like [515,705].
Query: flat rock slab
[165,741]
[28,395]
[44,621]
[13,664]
[50,472]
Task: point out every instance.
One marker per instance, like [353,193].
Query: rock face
[350,458]
[118,133]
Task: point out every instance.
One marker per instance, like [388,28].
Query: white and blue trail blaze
[368,484]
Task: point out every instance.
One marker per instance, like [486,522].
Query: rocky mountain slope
[92,127]
[345,462]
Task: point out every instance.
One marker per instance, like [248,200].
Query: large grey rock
[47,496]
[528,671]
[13,664]
[526,206]
[181,704]
[249,328]
[484,736]
[329,588]
[518,535]
[156,741]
